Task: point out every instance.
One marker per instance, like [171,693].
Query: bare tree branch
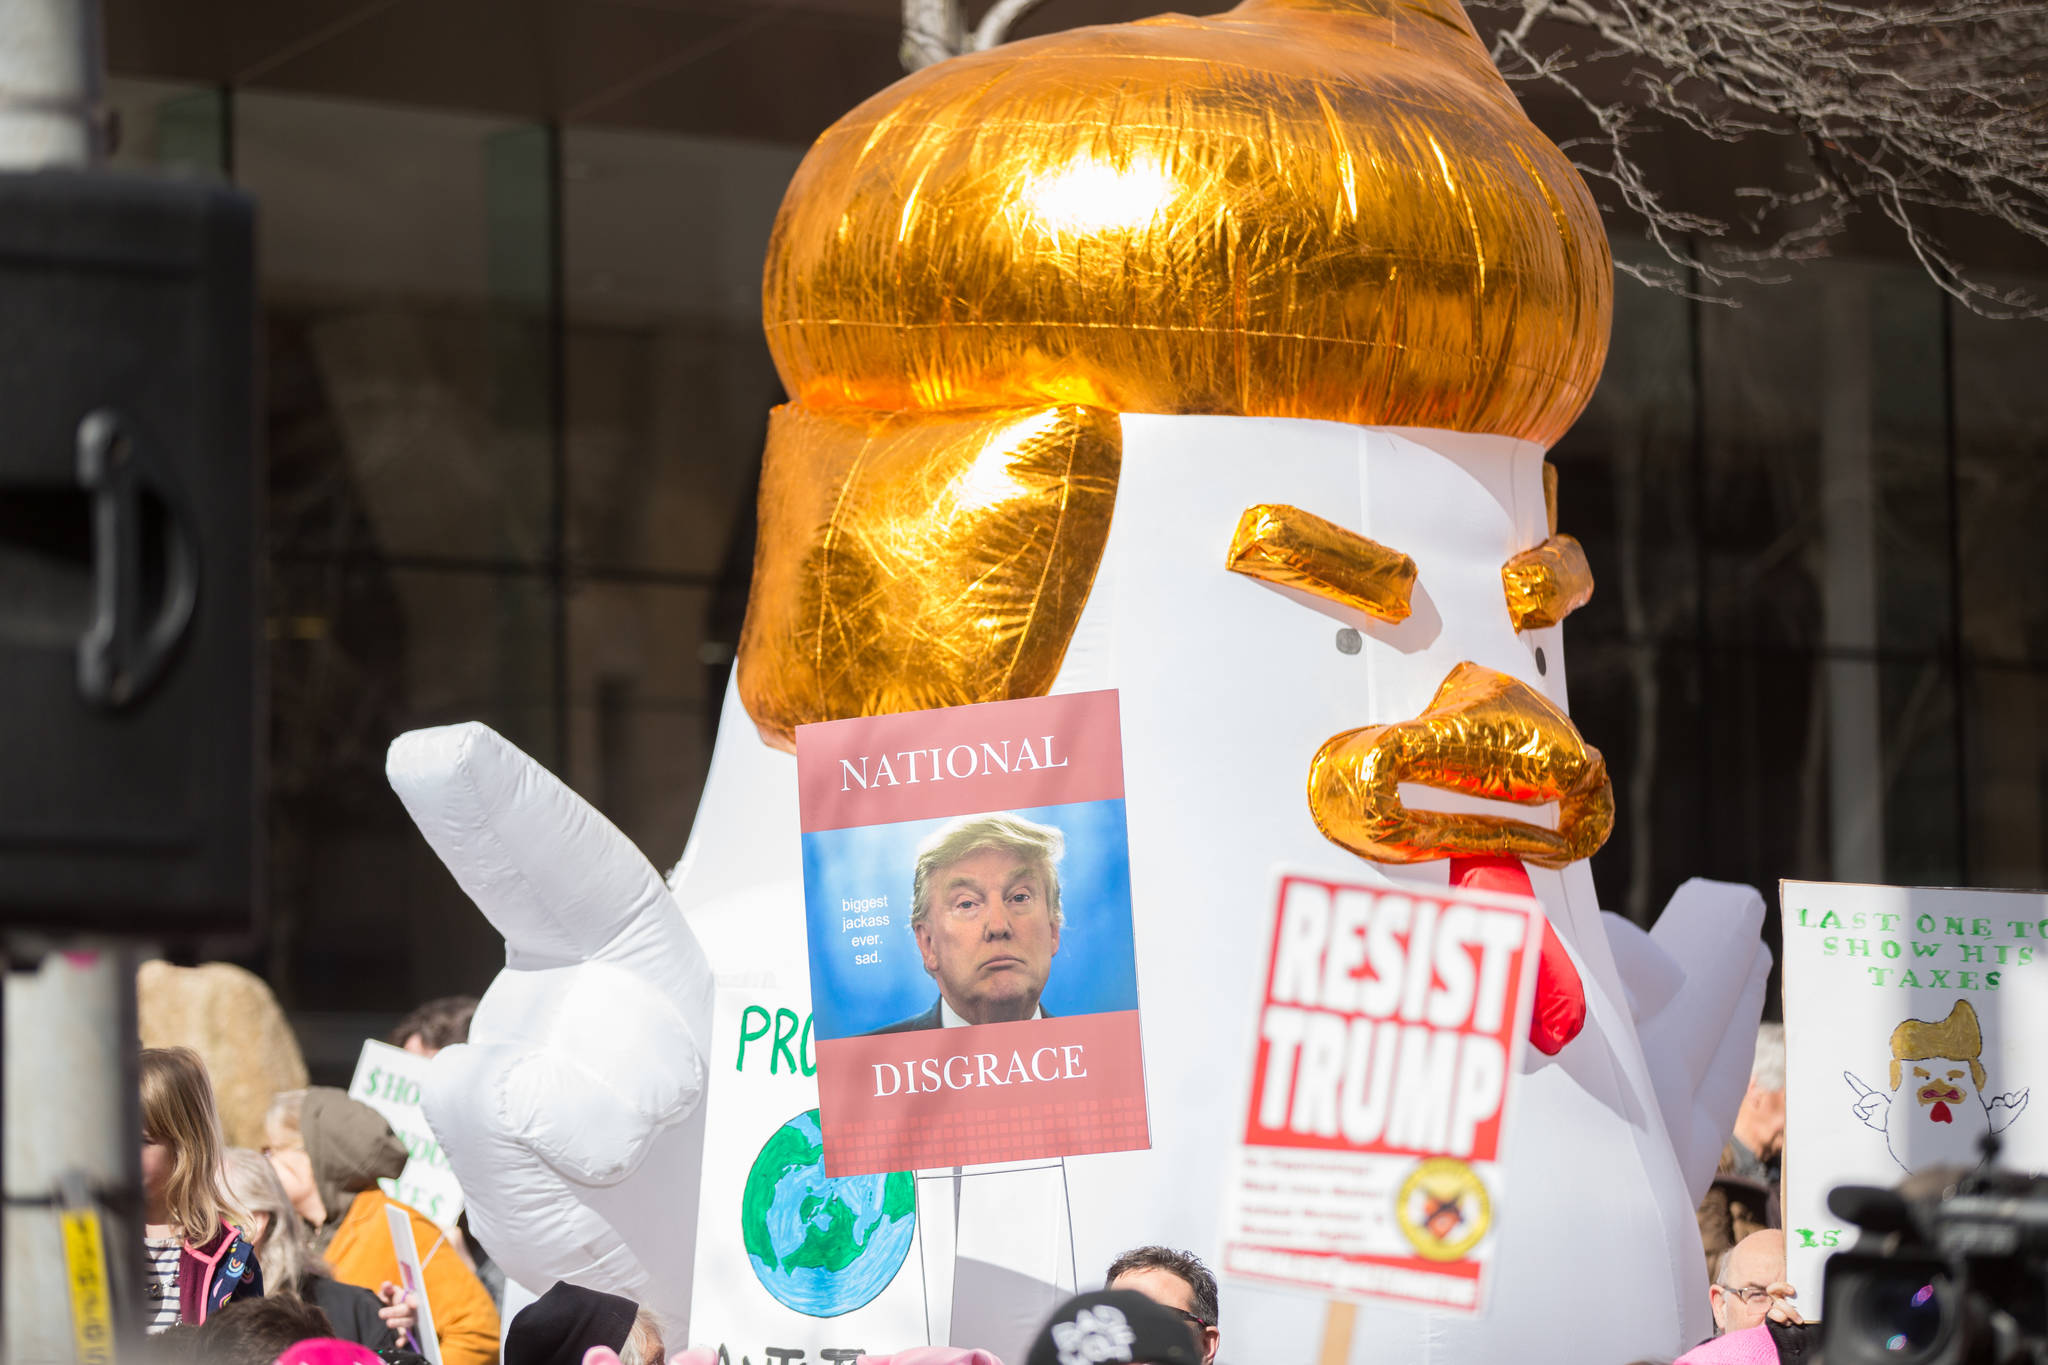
[1914,108]
[931,33]
[994,27]
[934,30]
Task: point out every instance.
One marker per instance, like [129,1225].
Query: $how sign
[391,1081]
[1915,1020]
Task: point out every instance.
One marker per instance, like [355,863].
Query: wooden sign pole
[1337,1333]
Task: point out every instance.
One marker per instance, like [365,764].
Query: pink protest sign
[968,903]
[1004,755]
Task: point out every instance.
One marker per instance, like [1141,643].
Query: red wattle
[1560,1010]
[1939,1113]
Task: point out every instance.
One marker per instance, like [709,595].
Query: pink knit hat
[1750,1346]
[328,1351]
[932,1355]
[917,1355]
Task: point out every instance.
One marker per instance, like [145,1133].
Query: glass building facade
[515,396]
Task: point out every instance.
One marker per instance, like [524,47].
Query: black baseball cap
[1115,1327]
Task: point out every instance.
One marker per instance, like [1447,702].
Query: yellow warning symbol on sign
[92,1309]
[1443,1209]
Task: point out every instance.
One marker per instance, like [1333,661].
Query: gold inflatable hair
[1330,209]
[1322,209]
[1915,1040]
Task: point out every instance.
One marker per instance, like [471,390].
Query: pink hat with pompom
[918,1355]
[328,1351]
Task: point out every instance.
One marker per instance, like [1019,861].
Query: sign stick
[1343,1316]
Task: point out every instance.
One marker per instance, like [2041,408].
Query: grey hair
[644,1345]
[1038,845]
[286,1113]
[285,1251]
[1767,1071]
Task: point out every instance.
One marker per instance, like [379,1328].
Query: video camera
[1955,1275]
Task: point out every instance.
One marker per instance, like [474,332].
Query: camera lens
[1901,1310]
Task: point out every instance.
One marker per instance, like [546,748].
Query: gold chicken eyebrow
[1547,583]
[1284,545]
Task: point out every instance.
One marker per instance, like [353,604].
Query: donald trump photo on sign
[985,912]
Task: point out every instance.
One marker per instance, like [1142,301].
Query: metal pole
[73,1229]
[71,1252]
[1849,593]
[50,86]
[71,1242]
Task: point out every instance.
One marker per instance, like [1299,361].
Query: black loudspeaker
[130,644]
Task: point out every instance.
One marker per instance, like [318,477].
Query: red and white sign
[1390,1034]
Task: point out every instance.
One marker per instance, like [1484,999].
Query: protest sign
[1914,1021]
[1391,1026]
[389,1080]
[819,1270]
[994,1016]
[413,1281]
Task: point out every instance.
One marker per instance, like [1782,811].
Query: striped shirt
[160,1297]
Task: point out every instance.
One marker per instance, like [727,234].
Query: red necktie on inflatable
[1560,1010]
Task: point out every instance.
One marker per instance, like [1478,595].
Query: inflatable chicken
[1209,360]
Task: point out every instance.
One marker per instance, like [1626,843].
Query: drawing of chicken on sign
[1915,1020]
[967,893]
[1389,1041]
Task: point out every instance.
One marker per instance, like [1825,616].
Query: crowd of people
[285,1256]
[249,1252]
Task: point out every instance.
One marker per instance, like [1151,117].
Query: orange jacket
[361,1253]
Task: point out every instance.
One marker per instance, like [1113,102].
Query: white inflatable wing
[573,1116]
[1700,1042]
[1650,977]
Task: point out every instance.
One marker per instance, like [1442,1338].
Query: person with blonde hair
[294,1269]
[985,910]
[329,1151]
[199,1260]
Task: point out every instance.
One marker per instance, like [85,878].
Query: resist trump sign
[1389,1037]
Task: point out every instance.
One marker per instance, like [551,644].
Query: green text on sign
[789,1047]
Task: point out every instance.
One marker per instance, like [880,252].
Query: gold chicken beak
[1484,734]
[1328,209]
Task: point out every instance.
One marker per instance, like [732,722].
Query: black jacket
[914,1024]
[929,1019]
[351,1309]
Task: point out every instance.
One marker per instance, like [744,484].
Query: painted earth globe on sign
[819,1245]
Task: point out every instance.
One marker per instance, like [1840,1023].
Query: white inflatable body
[1228,687]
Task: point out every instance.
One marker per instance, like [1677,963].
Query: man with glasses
[1177,1280]
[1752,1284]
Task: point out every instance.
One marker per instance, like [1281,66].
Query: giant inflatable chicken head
[1214,361]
